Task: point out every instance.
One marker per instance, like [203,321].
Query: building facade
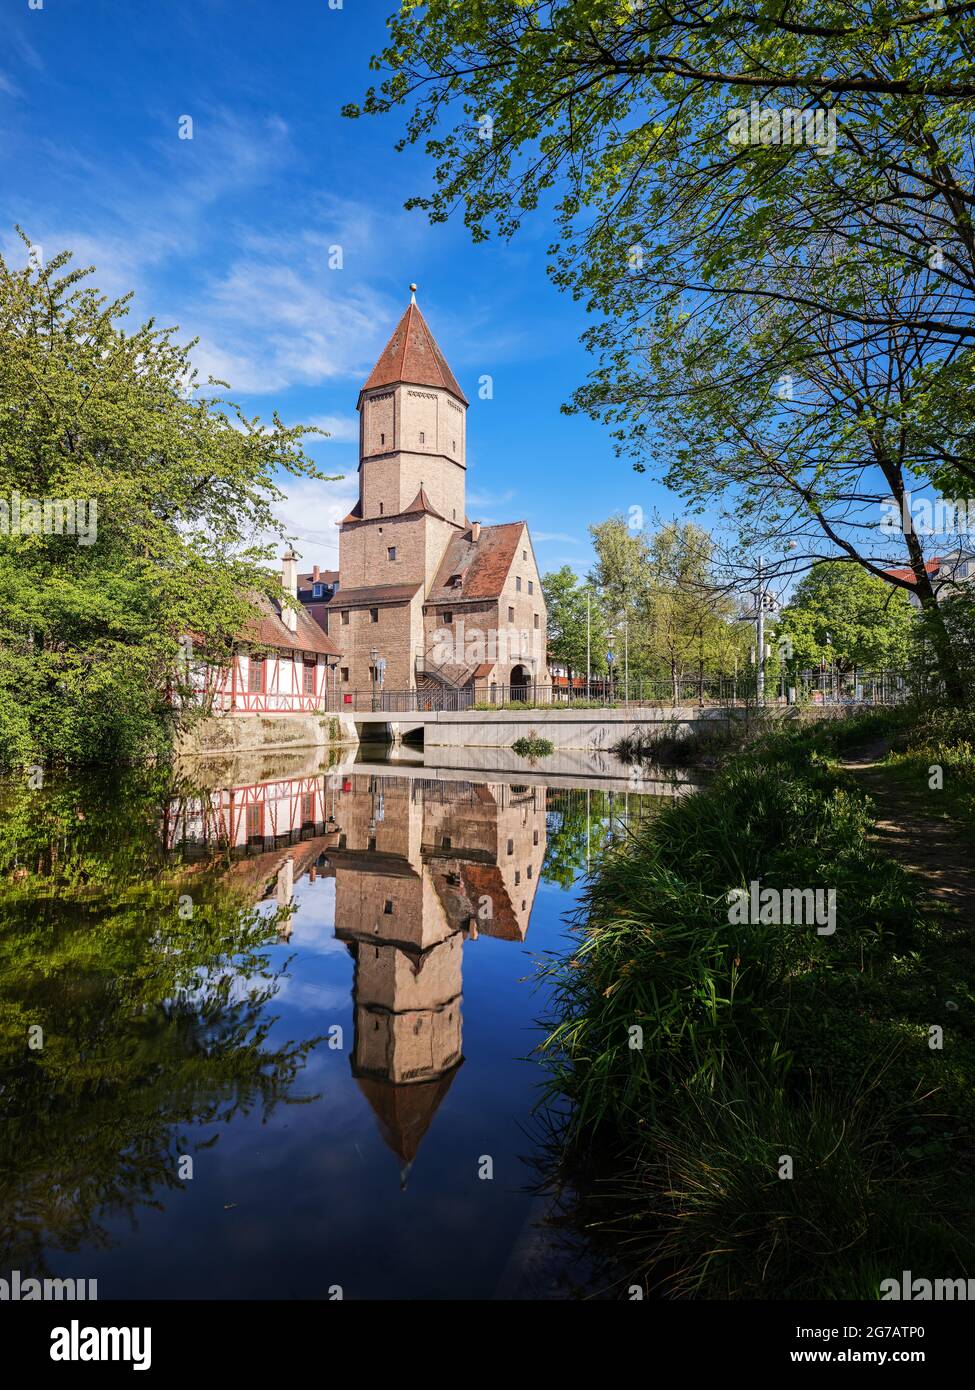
[283,664]
[425,602]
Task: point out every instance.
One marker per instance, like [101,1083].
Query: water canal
[267,1026]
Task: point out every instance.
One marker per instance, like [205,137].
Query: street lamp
[374,669]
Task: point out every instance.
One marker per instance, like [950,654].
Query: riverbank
[765,1109]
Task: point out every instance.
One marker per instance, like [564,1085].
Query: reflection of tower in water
[420,866]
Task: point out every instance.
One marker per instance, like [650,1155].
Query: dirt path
[930,846]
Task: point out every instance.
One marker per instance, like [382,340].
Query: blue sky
[228,235]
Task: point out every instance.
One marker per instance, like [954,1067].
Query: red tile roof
[422,503]
[269,630]
[483,565]
[412,355]
[932,567]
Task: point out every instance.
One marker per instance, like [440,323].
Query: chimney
[316,574]
[289,582]
[475,531]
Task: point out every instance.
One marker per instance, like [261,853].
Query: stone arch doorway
[520,681]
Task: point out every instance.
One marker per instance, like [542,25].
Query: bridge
[584,728]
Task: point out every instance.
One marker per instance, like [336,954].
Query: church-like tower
[412,427]
[427,601]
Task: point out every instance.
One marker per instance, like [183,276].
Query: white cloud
[555,536]
[341,429]
[310,512]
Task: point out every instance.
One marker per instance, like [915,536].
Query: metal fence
[808,688]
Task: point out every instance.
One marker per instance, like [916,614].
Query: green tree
[173,482]
[573,612]
[844,617]
[724,275]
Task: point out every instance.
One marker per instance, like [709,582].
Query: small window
[448,617]
[524,554]
[374,615]
[345,617]
[310,671]
[345,673]
[517,877]
[455,513]
[317,590]
[445,842]
[534,837]
[518,583]
[511,846]
[511,615]
[382,439]
[256,676]
[536,622]
[391,551]
[531,587]
[423,438]
[453,445]
[255,820]
[529,871]
[308,808]
[388,907]
[381,508]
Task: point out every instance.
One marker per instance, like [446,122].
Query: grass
[758,1041]
[533,746]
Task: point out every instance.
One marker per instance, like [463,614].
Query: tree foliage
[180,485]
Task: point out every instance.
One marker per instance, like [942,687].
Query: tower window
[374,615]
[531,587]
[448,617]
[345,617]
[381,508]
[423,438]
[518,583]
[511,615]
[345,673]
[391,551]
[388,908]
[536,622]
[453,445]
[511,846]
[382,439]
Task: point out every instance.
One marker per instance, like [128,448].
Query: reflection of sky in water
[312,1195]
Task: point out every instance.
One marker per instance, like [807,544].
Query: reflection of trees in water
[581,824]
[152,1022]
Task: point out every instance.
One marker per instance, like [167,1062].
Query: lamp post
[374,668]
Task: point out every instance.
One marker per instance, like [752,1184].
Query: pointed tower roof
[412,355]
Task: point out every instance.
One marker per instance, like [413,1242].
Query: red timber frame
[231,693]
[224,815]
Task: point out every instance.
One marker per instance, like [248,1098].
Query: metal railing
[807,688]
